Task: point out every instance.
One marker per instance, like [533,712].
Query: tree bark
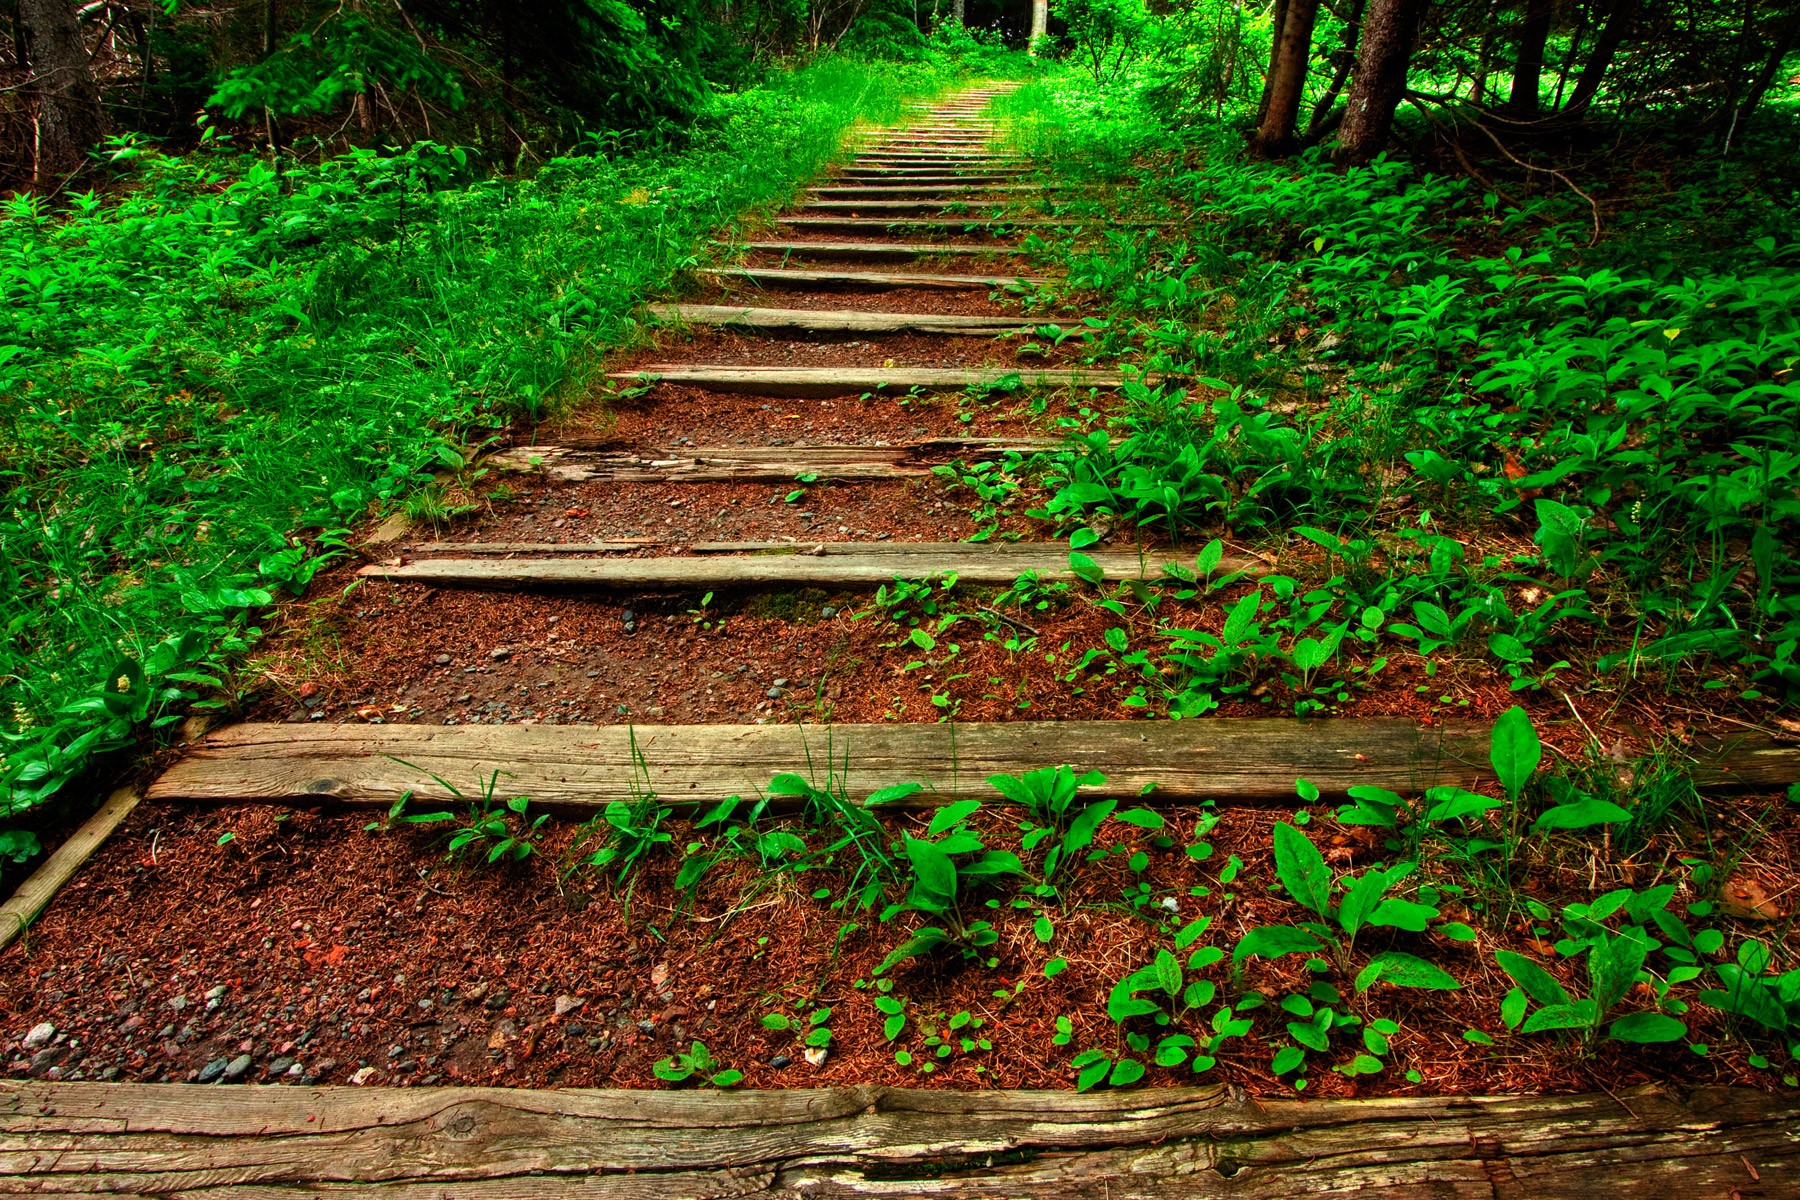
[1612,36]
[68,102]
[1528,66]
[1279,22]
[1040,23]
[1323,120]
[1389,30]
[1287,79]
[1785,35]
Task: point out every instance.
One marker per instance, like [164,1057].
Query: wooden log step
[831,320]
[874,251]
[754,464]
[822,564]
[851,381]
[921,176]
[874,280]
[954,223]
[896,206]
[579,768]
[916,191]
[1207,1143]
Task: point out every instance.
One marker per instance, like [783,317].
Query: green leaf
[1404,970]
[934,872]
[1645,1028]
[1143,818]
[1579,1015]
[1512,1007]
[1085,568]
[1168,972]
[1125,1072]
[1581,814]
[1515,750]
[725,1079]
[1288,1058]
[1043,929]
[1274,941]
[1613,966]
[1301,868]
[951,815]
[1538,983]
[1403,914]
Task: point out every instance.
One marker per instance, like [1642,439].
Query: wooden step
[827,320]
[909,192]
[851,381]
[755,464]
[873,251]
[822,564]
[585,767]
[1153,1143]
[902,207]
[869,280]
[925,176]
[965,224]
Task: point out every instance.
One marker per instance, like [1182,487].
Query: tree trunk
[68,102]
[1279,23]
[1785,35]
[1040,23]
[960,10]
[1528,67]
[1323,121]
[1287,79]
[1388,32]
[1612,36]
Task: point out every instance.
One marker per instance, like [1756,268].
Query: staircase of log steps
[937,191]
[866,233]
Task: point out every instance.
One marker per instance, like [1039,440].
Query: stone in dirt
[213,1070]
[39,1036]
[816,1055]
[567,1004]
[363,1075]
[236,1067]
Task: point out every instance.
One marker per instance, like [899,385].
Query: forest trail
[665,599]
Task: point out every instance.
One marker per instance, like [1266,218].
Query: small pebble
[828,612]
[442,660]
[774,693]
[236,1067]
[500,654]
[781,683]
[39,1036]
[212,1070]
[647,1026]
[363,1075]
[816,1055]
[215,993]
[567,1004]
[780,1061]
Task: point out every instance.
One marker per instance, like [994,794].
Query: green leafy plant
[696,1064]
[942,874]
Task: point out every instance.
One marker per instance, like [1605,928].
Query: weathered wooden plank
[916,191]
[829,320]
[1744,762]
[749,464]
[983,565]
[876,280]
[42,885]
[488,1143]
[875,251]
[583,767]
[927,175]
[851,381]
[898,206]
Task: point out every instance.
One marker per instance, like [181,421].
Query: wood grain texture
[874,251]
[876,280]
[893,206]
[818,320]
[767,464]
[850,381]
[916,191]
[1155,1144]
[822,564]
[42,885]
[581,767]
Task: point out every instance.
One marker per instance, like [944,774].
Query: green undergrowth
[1498,434]
[214,372]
